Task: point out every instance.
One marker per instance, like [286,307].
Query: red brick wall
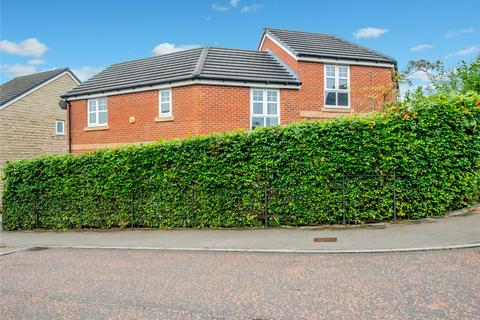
[223,108]
[269,45]
[367,87]
[202,109]
[197,109]
[144,107]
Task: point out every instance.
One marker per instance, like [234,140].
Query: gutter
[196,79]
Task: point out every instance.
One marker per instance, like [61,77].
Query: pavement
[42,283]
[461,229]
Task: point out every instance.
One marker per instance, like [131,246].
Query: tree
[460,79]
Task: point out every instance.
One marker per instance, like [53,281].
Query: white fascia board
[347,62]
[38,87]
[182,84]
[281,46]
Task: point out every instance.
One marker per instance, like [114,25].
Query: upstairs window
[165,103]
[60,127]
[97,112]
[265,108]
[337,86]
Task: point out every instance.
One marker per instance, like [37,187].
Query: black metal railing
[335,199]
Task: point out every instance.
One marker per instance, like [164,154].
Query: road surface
[155,284]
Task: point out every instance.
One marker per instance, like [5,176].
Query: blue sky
[89,35]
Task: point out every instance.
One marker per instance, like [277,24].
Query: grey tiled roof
[20,85]
[307,44]
[206,63]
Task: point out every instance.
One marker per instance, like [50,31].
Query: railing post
[35,208]
[265,212]
[394,197]
[193,203]
[343,199]
[81,214]
[132,206]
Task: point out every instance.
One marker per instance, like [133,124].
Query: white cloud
[418,79]
[420,76]
[17,70]
[220,7]
[164,48]
[35,62]
[234,3]
[28,47]
[251,8]
[85,73]
[464,52]
[456,33]
[421,47]
[369,33]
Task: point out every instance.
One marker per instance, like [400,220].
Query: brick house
[291,77]
[31,122]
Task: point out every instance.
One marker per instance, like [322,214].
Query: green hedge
[430,144]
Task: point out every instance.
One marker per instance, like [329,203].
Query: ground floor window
[60,127]
[265,108]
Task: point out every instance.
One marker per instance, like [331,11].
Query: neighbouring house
[292,76]
[31,121]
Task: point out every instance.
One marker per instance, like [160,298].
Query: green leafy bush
[431,145]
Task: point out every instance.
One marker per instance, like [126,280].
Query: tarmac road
[155,284]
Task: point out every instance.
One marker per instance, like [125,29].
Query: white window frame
[58,133]
[337,86]
[97,112]
[265,106]
[160,114]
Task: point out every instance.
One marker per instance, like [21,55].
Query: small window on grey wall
[60,127]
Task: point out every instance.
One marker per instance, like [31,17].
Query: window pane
[92,118]
[342,72]
[165,96]
[257,108]
[343,99]
[102,104]
[59,126]
[330,71]
[165,107]
[330,83]
[342,84]
[257,122]
[272,121]
[257,95]
[272,108]
[272,96]
[102,117]
[92,106]
[330,99]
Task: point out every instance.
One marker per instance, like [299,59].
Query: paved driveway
[137,284]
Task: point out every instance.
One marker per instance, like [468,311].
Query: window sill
[337,109]
[99,128]
[164,119]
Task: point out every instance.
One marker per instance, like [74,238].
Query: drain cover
[37,249]
[328,239]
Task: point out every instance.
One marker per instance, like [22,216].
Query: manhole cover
[37,249]
[327,239]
